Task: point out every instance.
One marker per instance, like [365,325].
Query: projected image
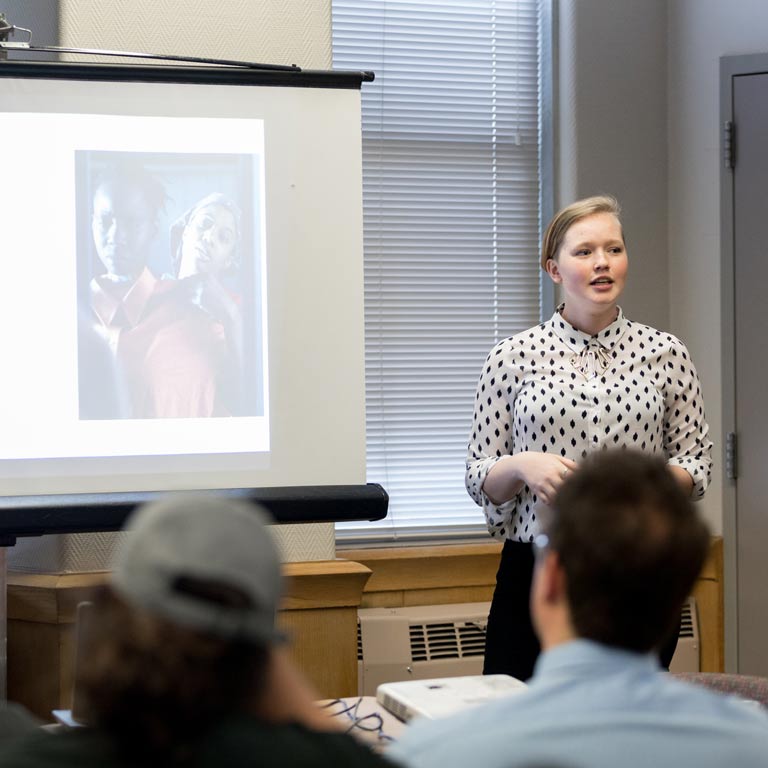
[169,285]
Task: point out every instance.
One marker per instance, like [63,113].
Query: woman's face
[591,265]
[209,241]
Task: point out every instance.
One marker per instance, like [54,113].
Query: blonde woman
[587,379]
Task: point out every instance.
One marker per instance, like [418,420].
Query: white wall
[700,32]
[613,130]
[639,116]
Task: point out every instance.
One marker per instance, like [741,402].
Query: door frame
[731,67]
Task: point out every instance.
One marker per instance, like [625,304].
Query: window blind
[451,200]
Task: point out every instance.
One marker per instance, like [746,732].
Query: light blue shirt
[589,706]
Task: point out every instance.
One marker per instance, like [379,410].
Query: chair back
[751,687]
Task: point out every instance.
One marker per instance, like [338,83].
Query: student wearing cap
[185,665]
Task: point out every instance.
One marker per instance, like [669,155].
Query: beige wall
[267,31]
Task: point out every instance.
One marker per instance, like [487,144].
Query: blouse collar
[577,339]
[592,354]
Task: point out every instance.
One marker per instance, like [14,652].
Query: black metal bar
[89,512]
[64,70]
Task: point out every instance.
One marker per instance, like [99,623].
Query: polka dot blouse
[555,389]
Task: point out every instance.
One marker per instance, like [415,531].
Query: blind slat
[451,197]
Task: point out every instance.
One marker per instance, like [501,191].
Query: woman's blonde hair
[562,221]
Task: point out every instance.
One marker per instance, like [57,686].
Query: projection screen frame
[224,75]
[94,512]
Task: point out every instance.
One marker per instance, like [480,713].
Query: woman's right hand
[543,473]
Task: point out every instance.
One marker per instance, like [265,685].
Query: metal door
[745,347]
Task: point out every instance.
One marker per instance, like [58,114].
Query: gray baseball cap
[184,551]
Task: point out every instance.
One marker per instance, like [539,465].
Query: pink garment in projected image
[171,352]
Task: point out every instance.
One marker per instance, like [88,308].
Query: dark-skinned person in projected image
[586,380]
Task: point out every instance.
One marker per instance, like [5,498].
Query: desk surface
[367,719]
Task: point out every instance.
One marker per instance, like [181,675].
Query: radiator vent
[687,628]
[687,654]
[440,640]
[449,640]
[419,643]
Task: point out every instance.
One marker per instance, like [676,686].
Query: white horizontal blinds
[451,209]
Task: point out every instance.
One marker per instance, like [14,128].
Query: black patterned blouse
[555,389]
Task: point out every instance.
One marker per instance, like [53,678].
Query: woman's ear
[553,270]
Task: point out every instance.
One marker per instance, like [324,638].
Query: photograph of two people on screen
[170,283]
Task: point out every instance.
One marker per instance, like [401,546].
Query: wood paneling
[708,592]
[429,568]
[323,643]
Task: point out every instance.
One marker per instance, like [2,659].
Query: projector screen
[183,296]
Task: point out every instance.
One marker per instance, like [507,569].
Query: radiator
[419,643]
[686,658]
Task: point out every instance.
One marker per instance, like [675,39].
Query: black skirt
[511,646]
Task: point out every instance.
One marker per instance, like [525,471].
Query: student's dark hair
[156,687]
[631,545]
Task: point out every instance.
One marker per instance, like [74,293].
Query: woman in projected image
[205,248]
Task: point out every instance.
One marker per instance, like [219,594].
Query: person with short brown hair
[625,587]
[601,605]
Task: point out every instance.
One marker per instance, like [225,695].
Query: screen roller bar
[89,512]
